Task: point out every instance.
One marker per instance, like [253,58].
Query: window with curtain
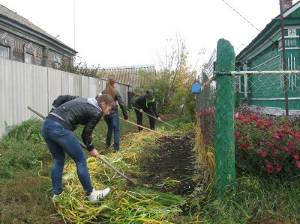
[4,51]
[28,58]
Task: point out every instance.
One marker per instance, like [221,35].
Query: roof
[129,75]
[268,30]
[15,17]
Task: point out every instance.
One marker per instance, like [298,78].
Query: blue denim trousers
[61,141]
[113,127]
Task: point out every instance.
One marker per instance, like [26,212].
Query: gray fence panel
[23,85]
[54,85]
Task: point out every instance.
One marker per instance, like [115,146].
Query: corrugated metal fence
[23,85]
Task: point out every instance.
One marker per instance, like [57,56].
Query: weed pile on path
[126,203]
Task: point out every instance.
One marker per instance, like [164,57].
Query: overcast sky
[134,32]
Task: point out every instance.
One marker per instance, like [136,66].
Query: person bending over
[58,133]
[61,100]
[147,104]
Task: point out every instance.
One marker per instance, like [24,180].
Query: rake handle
[154,117]
[130,122]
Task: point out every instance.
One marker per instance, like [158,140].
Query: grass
[26,188]
[25,170]
[25,199]
[256,200]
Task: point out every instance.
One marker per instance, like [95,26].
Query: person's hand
[141,110]
[125,117]
[94,153]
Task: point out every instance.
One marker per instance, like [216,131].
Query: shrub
[268,145]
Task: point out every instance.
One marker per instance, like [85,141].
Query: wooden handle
[154,117]
[130,122]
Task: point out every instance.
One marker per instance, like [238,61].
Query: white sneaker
[96,196]
[56,197]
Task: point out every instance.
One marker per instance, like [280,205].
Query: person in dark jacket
[112,120]
[61,100]
[58,133]
[147,104]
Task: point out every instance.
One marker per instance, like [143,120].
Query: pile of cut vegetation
[163,168]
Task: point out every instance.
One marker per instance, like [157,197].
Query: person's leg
[139,119]
[116,128]
[108,121]
[58,156]
[151,122]
[72,147]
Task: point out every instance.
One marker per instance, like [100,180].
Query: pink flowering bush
[268,145]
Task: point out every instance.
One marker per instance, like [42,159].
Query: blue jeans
[60,141]
[113,126]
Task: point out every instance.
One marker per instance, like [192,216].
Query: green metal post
[224,142]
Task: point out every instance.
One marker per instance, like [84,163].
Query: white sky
[134,32]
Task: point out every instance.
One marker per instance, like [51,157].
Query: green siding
[267,90]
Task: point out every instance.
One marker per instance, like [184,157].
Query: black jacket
[120,101]
[148,107]
[61,100]
[79,111]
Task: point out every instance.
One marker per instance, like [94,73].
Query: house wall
[42,55]
[268,90]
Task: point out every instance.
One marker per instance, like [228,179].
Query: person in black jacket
[58,133]
[112,120]
[61,100]
[147,104]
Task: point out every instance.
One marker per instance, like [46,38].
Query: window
[4,51]
[28,58]
[292,32]
[57,60]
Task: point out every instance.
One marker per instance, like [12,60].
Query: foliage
[268,145]
[172,85]
[80,68]
[22,149]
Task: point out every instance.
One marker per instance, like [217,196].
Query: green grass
[25,193]
[22,149]
[26,188]
[257,200]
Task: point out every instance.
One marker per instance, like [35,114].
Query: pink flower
[278,135]
[296,156]
[245,146]
[237,134]
[297,136]
[262,153]
[278,168]
[298,164]
[291,145]
[269,167]
[286,149]
[270,144]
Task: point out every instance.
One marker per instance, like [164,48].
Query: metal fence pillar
[224,142]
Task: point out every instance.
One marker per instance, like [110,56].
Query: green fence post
[224,142]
